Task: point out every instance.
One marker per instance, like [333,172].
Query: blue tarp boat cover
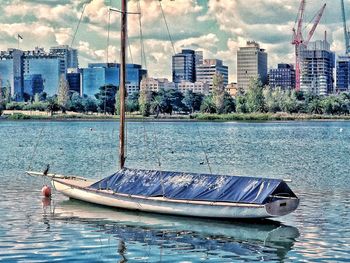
[190,186]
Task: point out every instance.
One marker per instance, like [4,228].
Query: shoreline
[198,117]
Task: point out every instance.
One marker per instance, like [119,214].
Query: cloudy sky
[218,27]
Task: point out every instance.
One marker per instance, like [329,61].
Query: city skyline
[216,27]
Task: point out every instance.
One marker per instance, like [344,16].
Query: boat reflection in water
[262,240]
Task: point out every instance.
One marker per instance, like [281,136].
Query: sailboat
[177,193]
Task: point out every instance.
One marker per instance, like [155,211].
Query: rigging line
[143,54]
[108,31]
[129,47]
[156,146]
[76,30]
[158,158]
[205,152]
[35,148]
[167,27]
[146,142]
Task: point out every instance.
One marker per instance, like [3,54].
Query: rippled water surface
[315,155]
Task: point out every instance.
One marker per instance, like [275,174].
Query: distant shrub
[2,107]
[15,106]
[19,116]
[36,106]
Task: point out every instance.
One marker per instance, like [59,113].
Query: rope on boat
[77,28]
[108,31]
[204,151]
[35,149]
[167,27]
[143,54]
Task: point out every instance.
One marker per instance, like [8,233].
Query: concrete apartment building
[251,63]
[282,77]
[206,71]
[184,66]
[153,84]
[343,74]
[195,87]
[316,67]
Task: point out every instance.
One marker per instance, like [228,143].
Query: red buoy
[46,191]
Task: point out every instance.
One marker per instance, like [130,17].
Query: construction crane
[298,39]
[346,32]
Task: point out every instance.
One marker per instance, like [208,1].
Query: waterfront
[315,155]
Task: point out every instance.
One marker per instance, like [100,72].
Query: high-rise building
[50,67]
[15,64]
[74,80]
[6,71]
[184,66]
[33,84]
[343,74]
[251,63]
[97,75]
[198,60]
[316,67]
[282,77]
[70,55]
[207,70]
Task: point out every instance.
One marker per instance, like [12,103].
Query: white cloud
[218,28]
[63,36]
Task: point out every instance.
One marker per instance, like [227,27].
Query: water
[315,155]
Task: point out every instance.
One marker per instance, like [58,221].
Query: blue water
[315,155]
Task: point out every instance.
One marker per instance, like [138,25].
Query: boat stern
[282,206]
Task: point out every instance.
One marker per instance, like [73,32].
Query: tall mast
[0,89]
[123,36]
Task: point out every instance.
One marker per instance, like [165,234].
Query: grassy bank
[266,117]
[193,117]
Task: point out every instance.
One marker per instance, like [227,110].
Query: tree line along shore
[258,103]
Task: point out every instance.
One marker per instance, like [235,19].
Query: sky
[217,27]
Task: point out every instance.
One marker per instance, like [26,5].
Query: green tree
[106,98]
[315,106]
[192,101]
[117,103]
[229,104]
[89,104]
[2,108]
[289,102]
[255,96]
[43,96]
[208,105]
[52,105]
[174,98]
[75,103]
[36,98]
[241,102]
[15,105]
[273,99]
[63,93]
[218,92]
[145,102]
[157,105]
[345,103]
[132,103]
[171,100]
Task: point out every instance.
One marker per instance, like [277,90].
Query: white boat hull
[175,207]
